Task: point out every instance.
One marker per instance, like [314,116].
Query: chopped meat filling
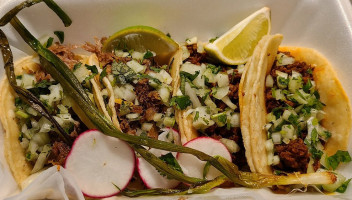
[59,153]
[149,104]
[64,52]
[301,67]
[195,57]
[294,156]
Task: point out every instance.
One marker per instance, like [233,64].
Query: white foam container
[324,25]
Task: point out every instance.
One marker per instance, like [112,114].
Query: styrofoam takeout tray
[324,25]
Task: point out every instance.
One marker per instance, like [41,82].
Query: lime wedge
[237,45]
[141,39]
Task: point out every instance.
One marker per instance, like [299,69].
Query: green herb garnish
[148,54]
[181,102]
[340,156]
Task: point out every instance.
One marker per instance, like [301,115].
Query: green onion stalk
[50,3]
[60,72]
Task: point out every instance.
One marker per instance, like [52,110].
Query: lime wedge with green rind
[141,39]
[236,46]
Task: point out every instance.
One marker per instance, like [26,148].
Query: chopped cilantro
[206,121]
[189,76]
[148,54]
[122,73]
[155,69]
[293,119]
[196,116]
[43,84]
[343,187]
[314,136]
[76,66]
[340,156]
[307,86]
[222,118]
[182,102]
[92,68]
[214,69]
[316,153]
[283,81]
[277,112]
[310,71]
[316,94]
[102,74]
[213,39]
[60,35]
[171,161]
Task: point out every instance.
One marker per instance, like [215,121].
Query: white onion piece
[269,81]
[222,79]
[192,95]
[229,103]
[135,66]
[221,92]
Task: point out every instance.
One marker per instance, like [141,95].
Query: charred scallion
[50,3]
[204,188]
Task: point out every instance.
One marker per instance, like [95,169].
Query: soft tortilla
[252,103]
[187,131]
[253,111]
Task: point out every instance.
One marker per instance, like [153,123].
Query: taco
[297,114]
[31,140]
[141,89]
[206,98]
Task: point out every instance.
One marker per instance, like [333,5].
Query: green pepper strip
[159,191]
[50,3]
[26,95]
[60,72]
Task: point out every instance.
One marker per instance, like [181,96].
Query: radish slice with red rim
[100,164]
[194,167]
[149,175]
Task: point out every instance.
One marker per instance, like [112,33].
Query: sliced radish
[99,163]
[193,167]
[149,175]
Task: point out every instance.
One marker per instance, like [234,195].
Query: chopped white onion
[28,81]
[228,102]
[191,41]
[269,81]
[147,126]
[185,52]
[276,160]
[231,145]
[269,145]
[136,67]
[220,92]
[192,95]
[240,68]
[222,79]
[276,137]
[137,55]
